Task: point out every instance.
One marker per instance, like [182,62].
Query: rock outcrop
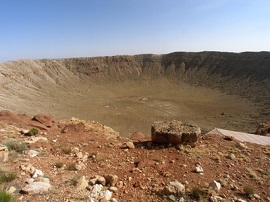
[263,129]
[174,132]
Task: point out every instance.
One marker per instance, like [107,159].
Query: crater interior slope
[128,93]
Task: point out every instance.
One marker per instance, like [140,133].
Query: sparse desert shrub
[7,176]
[71,166]
[67,150]
[6,197]
[15,145]
[59,164]
[248,190]
[32,132]
[196,193]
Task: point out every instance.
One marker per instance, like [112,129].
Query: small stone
[120,184]
[113,189]
[198,169]
[11,190]
[240,200]
[256,196]
[28,168]
[101,180]
[31,153]
[111,179]
[130,145]
[3,153]
[82,183]
[241,145]
[215,185]
[93,181]
[231,156]
[37,173]
[79,155]
[108,195]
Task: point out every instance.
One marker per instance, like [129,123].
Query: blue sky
[36,29]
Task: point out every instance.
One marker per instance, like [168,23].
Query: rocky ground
[79,160]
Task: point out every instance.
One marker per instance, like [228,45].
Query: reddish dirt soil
[144,170]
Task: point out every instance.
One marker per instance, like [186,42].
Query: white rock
[79,154]
[108,195]
[37,173]
[241,200]
[36,188]
[11,190]
[256,196]
[198,169]
[174,188]
[29,180]
[215,185]
[31,153]
[130,145]
[32,140]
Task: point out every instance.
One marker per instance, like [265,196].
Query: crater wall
[58,86]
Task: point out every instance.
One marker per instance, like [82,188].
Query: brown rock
[45,119]
[263,129]
[111,179]
[174,132]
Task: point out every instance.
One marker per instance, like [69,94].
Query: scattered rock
[198,169]
[3,153]
[174,132]
[31,153]
[111,179]
[32,140]
[11,190]
[36,188]
[231,156]
[215,185]
[256,196]
[174,188]
[130,145]
[82,183]
[28,168]
[101,180]
[37,173]
[241,145]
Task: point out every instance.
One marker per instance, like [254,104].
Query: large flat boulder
[174,132]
